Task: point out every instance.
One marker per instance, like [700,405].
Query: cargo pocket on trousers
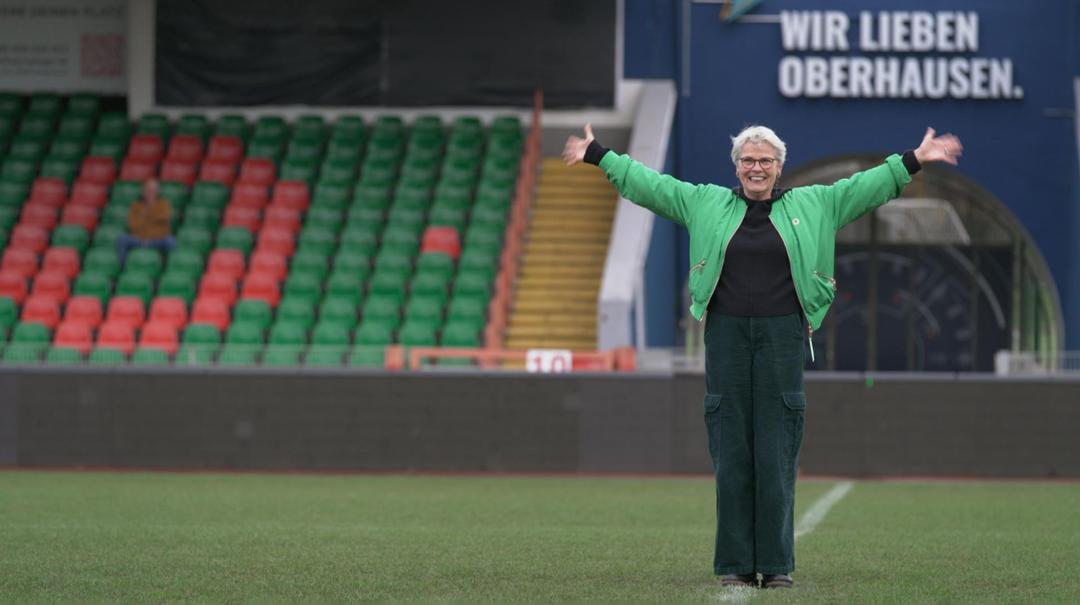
[794,416]
[712,426]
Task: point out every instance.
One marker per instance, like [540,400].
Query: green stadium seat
[71,236]
[144,260]
[68,148]
[418,333]
[303,286]
[84,104]
[232,125]
[114,125]
[188,262]
[106,147]
[353,262]
[253,311]
[343,155]
[22,353]
[297,309]
[393,262]
[389,283]
[371,197]
[424,308]
[154,123]
[304,151]
[196,353]
[194,239]
[376,174]
[149,357]
[236,238]
[382,308]
[309,262]
[244,333]
[287,332]
[271,127]
[239,355]
[479,261]
[370,218]
[461,333]
[11,104]
[124,193]
[8,216]
[339,309]
[28,148]
[483,241]
[105,236]
[115,215]
[73,125]
[133,283]
[63,355]
[449,217]
[102,260]
[435,262]
[211,194]
[19,171]
[329,195]
[296,169]
[37,125]
[13,192]
[401,240]
[345,284]
[195,125]
[201,334]
[282,355]
[92,283]
[265,148]
[107,356]
[325,218]
[31,333]
[317,240]
[431,284]
[60,168]
[46,103]
[202,218]
[178,194]
[178,283]
[9,313]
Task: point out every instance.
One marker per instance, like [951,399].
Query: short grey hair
[757,134]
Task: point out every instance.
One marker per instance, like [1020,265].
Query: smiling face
[757,170]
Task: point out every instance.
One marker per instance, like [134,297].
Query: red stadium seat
[21,261]
[126,308]
[218,286]
[74,335]
[61,260]
[276,240]
[146,147]
[87,216]
[257,171]
[226,148]
[210,310]
[292,194]
[51,283]
[170,310]
[29,237]
[98,170]
[263,286]
[282,217]
[13,285]
[226,261]
[117,335]
[41,309]
[250,195]
[38,214]
[186,148]
[89,193]
[49,191]
[137,169]
[221,171]
[239,216]
[183,171]
[441,239]
[269,263]
[85,309]
[159,335]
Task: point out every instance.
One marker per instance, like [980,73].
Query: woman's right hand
[574,151]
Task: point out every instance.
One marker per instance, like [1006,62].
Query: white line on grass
[809,521]
[816,513]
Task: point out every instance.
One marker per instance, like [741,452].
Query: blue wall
[1022,150]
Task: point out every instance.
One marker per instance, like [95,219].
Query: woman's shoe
[739,579]
[781,580]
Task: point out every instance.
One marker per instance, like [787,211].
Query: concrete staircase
[554,300]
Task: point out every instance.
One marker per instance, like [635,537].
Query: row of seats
[276,233]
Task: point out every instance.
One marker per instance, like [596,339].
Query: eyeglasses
[748,163]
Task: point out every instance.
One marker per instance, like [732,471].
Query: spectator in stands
[149,223]
[762,266]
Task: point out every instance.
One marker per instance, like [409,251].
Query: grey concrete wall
[467,422]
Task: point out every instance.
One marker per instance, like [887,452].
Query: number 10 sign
[549,360]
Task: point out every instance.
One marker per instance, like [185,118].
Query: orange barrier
[616,360]
[499,308]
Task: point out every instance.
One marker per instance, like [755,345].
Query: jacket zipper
[832,280]
[723,251]
[700,265]
[809,326]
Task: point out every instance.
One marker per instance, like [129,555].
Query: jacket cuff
[910,162]
[594,153]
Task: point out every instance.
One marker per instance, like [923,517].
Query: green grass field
[220,537]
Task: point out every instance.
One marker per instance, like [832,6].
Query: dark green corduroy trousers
[754,410]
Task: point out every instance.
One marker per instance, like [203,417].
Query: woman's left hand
[946,148]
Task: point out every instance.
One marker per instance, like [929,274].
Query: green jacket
[807,219]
